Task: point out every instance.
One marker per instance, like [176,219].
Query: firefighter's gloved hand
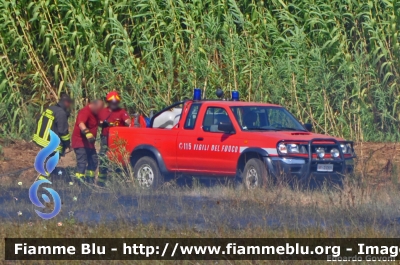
[64,151]
[66,144]
[89,136]
[105,124]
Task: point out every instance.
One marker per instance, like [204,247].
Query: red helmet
[113,97]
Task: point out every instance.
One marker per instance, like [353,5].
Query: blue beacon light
[197,94]
[235,95]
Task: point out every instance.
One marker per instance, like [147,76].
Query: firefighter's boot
[79,179]
[101,180]
[90,176]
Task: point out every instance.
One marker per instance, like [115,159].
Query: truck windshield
[258,118]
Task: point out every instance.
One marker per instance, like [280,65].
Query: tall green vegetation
[334,63]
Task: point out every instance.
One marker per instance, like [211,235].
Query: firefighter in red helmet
[112,115]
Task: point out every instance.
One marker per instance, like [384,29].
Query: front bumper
[306,168]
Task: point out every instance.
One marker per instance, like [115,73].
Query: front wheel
[147,173]
[255,174]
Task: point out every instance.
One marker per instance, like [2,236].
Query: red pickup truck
[254,142]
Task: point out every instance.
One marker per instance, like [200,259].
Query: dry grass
[205,209]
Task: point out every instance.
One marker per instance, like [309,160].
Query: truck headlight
[346,148]
[320,152]
[335,153]
[282,148]
[349,148]
[288,148]
[293,148]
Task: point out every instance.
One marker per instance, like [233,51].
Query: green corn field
[332,63]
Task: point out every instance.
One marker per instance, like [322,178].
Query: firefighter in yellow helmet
[54,118]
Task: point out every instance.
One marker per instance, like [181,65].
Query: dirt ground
[378,162]
[21,155]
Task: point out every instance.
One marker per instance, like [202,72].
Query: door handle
[200,138]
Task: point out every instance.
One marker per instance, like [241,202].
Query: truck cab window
[280,117]
[192,116]
[256,118]
[213,117]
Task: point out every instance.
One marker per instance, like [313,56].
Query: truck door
[219,150]
[188,158]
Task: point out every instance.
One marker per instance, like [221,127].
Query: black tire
[147,174]
[255,174]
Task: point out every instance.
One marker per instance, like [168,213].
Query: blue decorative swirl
[44,153]
[45,198]
[45,171]
[35,200]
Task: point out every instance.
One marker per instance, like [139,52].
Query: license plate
[325,167]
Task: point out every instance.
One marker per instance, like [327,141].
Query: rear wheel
[147,173]
[255,174]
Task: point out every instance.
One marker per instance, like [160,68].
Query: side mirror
[226,127]
[308,126]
